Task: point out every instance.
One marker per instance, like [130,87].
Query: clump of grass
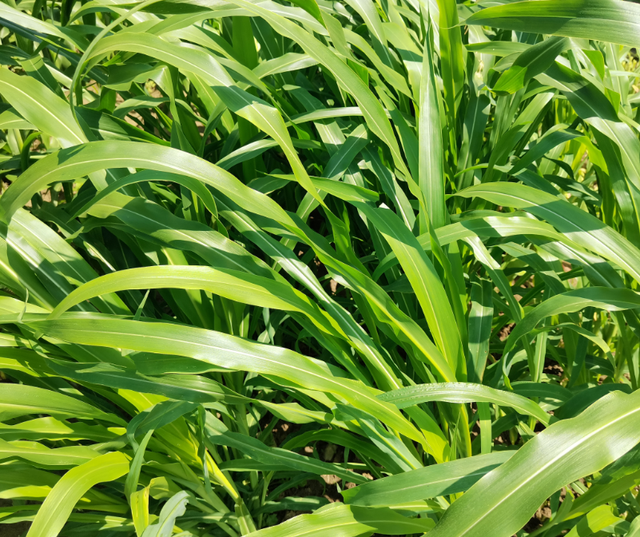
[319,268]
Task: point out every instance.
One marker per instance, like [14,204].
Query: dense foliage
[316,268]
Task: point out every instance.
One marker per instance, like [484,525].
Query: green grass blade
[504,500]
[72,486]
[602,20]
[464,392]
[430,482]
